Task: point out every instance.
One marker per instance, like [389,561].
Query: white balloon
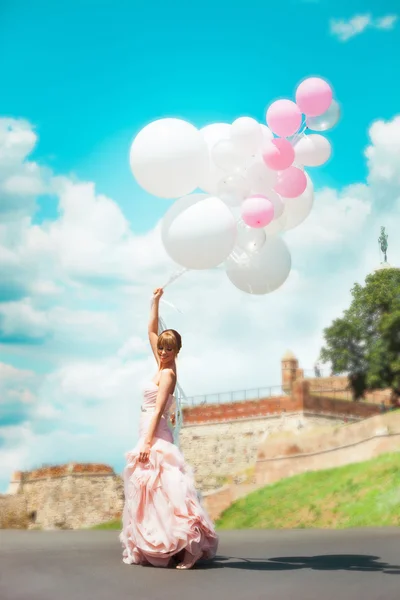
[261,272]
[261,179]
[212,134]
[312,150]
[325,121]
[198,231]
[296,210]
[276,226]
[225,155]
[267,134]
[168,158]
[249,239]
[277,203]
[247,135]
[233,189]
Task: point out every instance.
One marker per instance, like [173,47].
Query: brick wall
[237,410]
[228,411]
[300,400]
[323,405]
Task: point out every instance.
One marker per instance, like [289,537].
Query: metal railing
[317,373]
[277,391]
[235,396]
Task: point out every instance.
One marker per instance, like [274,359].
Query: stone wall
[341,384]
[341,446]
[328,383]
[13,512]
[312,451]
[218,452]
[220,442]
[69,496]
[338,385]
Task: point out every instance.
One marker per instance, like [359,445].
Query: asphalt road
[252,564]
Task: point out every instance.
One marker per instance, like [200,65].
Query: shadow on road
[328,562]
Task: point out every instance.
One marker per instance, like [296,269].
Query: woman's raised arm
[153,323]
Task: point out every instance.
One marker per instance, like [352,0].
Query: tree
[365,342]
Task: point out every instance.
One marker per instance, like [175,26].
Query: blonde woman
[163,522]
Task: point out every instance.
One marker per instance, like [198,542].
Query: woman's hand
[144,452]
[158,292]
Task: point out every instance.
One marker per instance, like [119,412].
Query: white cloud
[346,29]
[383,155]
[19,320]
[387,22]
[15,452]
[24,184]
[90,242]
[17,140]
[21,180]
[9,374]
[18,401]
[335,217]
[82,324]
[80,285]
[133,346]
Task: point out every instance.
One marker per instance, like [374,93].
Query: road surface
[250,564]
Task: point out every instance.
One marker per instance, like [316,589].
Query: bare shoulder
[168,378]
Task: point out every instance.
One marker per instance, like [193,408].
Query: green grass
[116,524]
[357,495]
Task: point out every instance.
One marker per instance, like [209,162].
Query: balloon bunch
[254,185]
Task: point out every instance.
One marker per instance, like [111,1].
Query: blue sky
[79,242]
[90,74]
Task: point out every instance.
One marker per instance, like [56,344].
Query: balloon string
[171,305]
[174,277]
[299,132]
[179,394]
[297,136]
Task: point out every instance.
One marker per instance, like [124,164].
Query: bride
[163,522]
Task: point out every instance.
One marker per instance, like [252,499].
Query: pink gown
[162,513]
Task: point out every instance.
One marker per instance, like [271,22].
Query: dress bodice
[150,392]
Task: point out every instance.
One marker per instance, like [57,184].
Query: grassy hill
[357,495]
[362,494]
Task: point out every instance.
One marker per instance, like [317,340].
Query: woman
[163,521]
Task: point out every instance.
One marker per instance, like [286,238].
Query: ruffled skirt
[163,515]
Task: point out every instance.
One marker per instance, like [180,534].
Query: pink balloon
[284,117]
[278,154]
[257,211]
[314,96]
[291,182]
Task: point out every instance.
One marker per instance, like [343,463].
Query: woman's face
[166,353]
